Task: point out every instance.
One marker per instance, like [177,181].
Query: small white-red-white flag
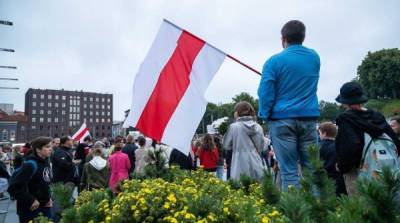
[168,99]
[81,133]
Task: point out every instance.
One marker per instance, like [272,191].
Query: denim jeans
[220,172]
[290,140]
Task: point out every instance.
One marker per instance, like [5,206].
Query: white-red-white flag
[168,99]
[81,133]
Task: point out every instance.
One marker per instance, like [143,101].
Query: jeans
[290,140]
[220,172]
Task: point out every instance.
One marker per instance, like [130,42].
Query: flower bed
[191,197]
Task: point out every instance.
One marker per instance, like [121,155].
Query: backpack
[17,171]
[378,153]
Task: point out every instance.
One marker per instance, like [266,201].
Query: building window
[56,97]
[33,95]
[84,106]
[63,112]
[84,112]
[91,120]
[41,112]
[56,120]
[33,119]
[102,120]
[84,98]
[102,113]
[102,106]
[97,106]
[97,120]
[5,135]
[42,96]
[97,113]
[102,99]
[56,105]
[91,106]
[33,112]
[41,120]
[108,107]
[12,136]
[49,112]
[108,100]
[108,113]
[49,104]
[33,126]
[34,103]
[64,97]
[91,112]
[63,105]
[108,120]
[49,120]
[91,99]
[42,104]
[97,99]
[49,96]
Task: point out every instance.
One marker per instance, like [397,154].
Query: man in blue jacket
[288,101]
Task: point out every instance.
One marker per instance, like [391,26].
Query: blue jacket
[288,86]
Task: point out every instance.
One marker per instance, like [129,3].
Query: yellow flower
[226,210]
[265,219]
[275,213]
[171,198]
[108,219]
[166,205]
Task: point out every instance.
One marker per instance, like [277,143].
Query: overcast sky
[97,46]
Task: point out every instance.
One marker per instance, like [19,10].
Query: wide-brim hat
[351,93]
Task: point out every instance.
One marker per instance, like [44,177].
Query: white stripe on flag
[149,71]
[79,130]
[187,116]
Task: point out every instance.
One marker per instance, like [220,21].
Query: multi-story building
[12,127]
[58,113]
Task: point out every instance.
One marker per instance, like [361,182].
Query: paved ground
[11,215]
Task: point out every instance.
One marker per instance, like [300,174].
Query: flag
[168,99]
[81,133]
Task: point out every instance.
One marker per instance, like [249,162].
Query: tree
[379,74]
[329,111]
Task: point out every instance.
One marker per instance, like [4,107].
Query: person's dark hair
[141,141]
[217,142]
[208,143]
[294,32]
[27,145]
[396,118]
[129,139]
[39,142]
[97,152]
[87,138]
[64,139]
[328,128]
[244,108]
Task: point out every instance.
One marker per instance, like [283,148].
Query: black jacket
[129,149]
[178,158]
[27,185]
[327,153]
[80,152]
[352,125]
[63,168]
[3,171]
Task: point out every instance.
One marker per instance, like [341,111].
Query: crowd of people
[287,103]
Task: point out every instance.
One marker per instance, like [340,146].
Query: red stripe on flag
[79,136]
[170,88]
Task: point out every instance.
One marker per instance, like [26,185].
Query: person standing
[64,166]
[95,174]
[288,101]
[352,126]
[245,138]
[208,154]
[142,156]
[327,152]
[119,166]
[56,142]
[129,149]
[30,185]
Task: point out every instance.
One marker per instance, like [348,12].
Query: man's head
[56,142]
[66,141]
[395,124]
[352,96]
[129,139]
[327,130]
[293,32]
[87,139]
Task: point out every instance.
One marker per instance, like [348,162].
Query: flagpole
[229,56]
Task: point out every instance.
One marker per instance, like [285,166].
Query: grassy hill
[387,107]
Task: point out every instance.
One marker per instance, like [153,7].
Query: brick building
[13,127]
[57,113]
